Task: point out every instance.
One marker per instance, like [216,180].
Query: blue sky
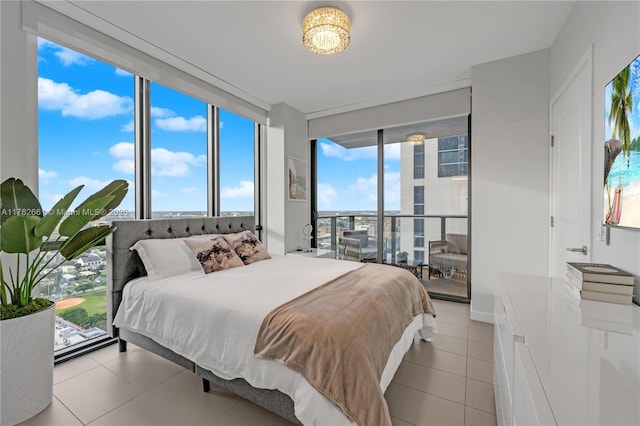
[347,178]
[86,137]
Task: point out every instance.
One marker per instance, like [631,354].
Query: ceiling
[399,50]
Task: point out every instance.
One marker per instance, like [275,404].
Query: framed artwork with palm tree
[622,148]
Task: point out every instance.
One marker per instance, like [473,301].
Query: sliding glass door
[425,224]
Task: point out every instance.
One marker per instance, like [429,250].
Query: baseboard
[482,316]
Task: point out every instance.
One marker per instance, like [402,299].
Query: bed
[225,314]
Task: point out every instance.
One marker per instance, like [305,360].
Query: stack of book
[602,282]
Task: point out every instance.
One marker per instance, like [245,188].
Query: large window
[346,189]
[418,161]
[178,154]
[237,164]
[85,137]
[453,156]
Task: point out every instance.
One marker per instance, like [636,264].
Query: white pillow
[166,257]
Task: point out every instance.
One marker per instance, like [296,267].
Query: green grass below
[94,303]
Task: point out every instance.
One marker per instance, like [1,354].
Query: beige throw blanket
[339,335]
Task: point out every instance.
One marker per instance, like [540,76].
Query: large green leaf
[82,215]
[84,240]
[118,189]
[16,199]
[16,235]
[54,216]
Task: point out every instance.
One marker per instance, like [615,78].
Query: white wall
[509,172]
[284,219]
[613,28]
[18,99]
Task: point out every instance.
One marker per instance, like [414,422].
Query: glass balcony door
[422,223]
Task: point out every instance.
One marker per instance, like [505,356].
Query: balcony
[405,242]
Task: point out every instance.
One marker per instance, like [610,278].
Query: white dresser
[562,360]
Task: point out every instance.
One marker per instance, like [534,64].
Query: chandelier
[325,31]
[416,139]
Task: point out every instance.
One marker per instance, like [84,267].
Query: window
[453,154]
[85,137]
[237,170]
[418,161]
[418,232]
[418,256]
[347,188]
[418,199]
[178,154]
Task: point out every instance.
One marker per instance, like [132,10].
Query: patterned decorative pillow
[214,254]
[247,246]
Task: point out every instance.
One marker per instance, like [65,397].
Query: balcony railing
[402,233]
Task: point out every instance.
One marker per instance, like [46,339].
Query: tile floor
[444,382]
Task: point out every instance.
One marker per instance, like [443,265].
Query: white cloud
[325,195]
[158,112]
[122,73]
[242,190]
[89,183]
[46,176]
[70,57]
[163,161]
[337,151]
[67,57]
[391,152]
[126,167]
[129,127]
[155,193]
[124,153]
[171,163]
[96,104]
[181,124]
[367,187]
[392,191]
[190,189]
[122,150]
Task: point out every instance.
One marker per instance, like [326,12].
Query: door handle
[582,249]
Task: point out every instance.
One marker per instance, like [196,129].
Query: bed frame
[124,265]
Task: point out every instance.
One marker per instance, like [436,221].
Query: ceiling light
[416,139]
[326,31]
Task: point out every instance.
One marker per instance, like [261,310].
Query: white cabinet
[520,397]
[530,404]
[559,359]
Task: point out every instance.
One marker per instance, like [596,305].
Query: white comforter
[214,320]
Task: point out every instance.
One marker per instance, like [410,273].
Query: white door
[571,171]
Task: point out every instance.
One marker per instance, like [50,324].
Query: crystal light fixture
[415,139]
[325,31]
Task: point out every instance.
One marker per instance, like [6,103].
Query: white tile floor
[444,382]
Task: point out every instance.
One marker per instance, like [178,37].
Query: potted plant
[32,245]
[402,257]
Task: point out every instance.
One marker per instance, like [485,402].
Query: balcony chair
[448,257]
[357,246]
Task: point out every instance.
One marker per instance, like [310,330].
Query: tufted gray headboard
[123,265]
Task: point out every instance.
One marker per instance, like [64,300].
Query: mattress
[214,320]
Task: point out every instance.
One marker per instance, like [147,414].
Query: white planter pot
[26,367]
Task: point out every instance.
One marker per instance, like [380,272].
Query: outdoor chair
[357,246]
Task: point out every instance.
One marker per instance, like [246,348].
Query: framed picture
[297,179]
[622,148]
